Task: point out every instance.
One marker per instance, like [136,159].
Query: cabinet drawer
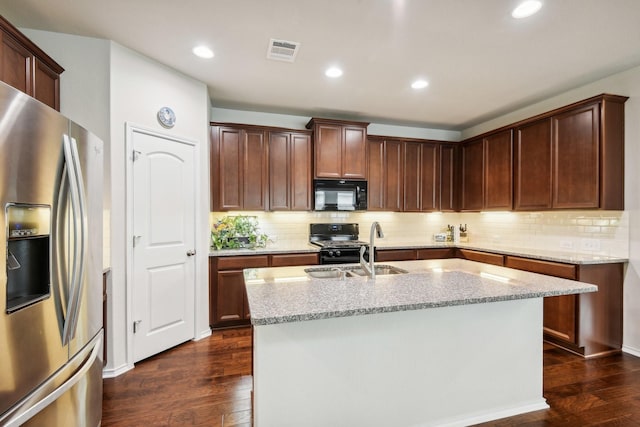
[286,260]
[438,253]
[395,255]
[239,262]
[557,269]
[485,257]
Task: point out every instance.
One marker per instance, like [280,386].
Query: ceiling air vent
[282,50]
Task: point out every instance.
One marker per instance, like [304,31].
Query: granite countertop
[542,254]
[279,248]
[287,294]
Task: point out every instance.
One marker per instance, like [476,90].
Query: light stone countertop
[542,254]
[287,294]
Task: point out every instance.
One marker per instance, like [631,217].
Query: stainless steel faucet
[369,268]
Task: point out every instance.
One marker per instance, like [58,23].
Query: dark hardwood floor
[208,383]
[201,383]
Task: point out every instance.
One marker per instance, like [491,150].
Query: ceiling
[479,61]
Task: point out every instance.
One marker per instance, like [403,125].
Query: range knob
[331,254]
[337,253]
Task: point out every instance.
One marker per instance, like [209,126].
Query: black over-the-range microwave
[340,195]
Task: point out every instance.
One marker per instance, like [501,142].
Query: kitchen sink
[352,271]
[326,273]
[381,270]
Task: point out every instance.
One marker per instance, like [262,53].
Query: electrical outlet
[590,244]
[566,244]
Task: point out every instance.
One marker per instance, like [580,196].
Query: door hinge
[136,155]
[136,326]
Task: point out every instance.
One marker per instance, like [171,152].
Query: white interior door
[163,269]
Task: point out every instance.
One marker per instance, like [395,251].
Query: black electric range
[338,243]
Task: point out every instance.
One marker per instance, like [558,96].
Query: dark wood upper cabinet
[449,173]
[576,158]
[568,158]
[533,166]
[385,184]
[472,195]
[572,157]
[412,169]
[498,171]
[238,169]
[254,167]
[290,171]
[340,148]
[26,67]
[421,177]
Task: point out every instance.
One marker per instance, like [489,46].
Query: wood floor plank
[209,383]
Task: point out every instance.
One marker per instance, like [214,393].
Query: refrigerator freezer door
[31,348]
[88,318]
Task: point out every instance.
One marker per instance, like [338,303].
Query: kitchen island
[452,342]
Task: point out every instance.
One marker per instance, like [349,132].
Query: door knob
[191,252]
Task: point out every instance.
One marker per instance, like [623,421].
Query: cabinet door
[412,181]
[436,253]
[430,177]
[16,64]
[328,149]
[576,143]
[46,85]
[448,178]
[279,171]
[227,166]
[230,297]
[472,175]
[254,168]
[560,317]
[533,166]
[375,184]
[354,152]
[301,184]
[385,255]
[393,176]
[498,171]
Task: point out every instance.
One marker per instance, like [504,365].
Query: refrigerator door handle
[80,236]
[27,409]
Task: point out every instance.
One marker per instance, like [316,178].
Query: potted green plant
[234,232]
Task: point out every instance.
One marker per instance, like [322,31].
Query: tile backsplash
[588,232]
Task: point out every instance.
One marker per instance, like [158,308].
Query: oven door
[341,256]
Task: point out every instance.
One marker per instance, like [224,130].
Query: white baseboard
[114,372]
[203,334]
[496,415]
[630,350]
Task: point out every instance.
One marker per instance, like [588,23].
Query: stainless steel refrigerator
[51,267]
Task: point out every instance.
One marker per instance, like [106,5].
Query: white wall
[139,88]
[105,85]
[626,83]
[225,115]
[84,89]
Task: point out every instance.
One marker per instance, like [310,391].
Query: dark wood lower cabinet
[588,324]
[228,305]
[436,253]
[383,255]
[487,258]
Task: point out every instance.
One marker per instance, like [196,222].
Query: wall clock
[166,117]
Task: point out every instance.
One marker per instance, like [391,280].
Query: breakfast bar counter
[451,342]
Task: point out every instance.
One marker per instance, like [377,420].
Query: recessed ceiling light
[333,72]
[419,84]
[203,52]
[526,8]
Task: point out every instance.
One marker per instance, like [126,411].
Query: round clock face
[166,117]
